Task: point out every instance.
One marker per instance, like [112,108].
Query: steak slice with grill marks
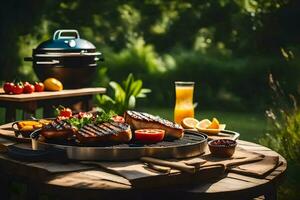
[140,120]
[104,132]
[57,129]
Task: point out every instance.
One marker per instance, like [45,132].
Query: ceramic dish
[224,148]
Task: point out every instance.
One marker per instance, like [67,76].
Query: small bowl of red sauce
[223,148]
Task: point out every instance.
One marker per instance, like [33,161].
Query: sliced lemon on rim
[210,127]
[189,122]
[214,124]
[203,124]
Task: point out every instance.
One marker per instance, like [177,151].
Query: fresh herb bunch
[79,122]
[124,96]
[104,117]
[90,119]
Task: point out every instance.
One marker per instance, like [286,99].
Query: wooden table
[30,102]
[76,185]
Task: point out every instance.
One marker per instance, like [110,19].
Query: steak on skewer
[140,120]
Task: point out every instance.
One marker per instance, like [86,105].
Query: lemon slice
[222,126]
[210,127]
[203,124]
[214,124]
[189,122]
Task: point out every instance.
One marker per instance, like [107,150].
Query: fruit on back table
[28,88]
[53,84]
[39,86]
[8,87]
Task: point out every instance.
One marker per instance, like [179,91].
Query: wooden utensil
[174,165]
[159,168]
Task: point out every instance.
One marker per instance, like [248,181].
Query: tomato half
[118,118]
[149,135]
[65,112]
[81,115]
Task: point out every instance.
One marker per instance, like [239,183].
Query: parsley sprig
[90,119]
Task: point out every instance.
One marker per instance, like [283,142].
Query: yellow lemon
[189,122]
[203,124]
[214,124]
[53,84]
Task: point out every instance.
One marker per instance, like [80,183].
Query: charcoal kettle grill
[66,57]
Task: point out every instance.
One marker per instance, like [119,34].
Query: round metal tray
[192,144]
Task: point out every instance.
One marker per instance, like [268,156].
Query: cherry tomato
[81,115]
[62,118]
[18,88]
[28,88]
[39,86]
[8,87]
[149,135]
[65,112]
[118,118]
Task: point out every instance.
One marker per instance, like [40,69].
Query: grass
[250,125]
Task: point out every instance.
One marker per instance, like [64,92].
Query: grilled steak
[104,132]
[57,129]
[140,120]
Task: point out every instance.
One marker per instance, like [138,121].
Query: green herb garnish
[98,119]
[104,117]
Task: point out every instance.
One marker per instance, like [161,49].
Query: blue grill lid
[67,39]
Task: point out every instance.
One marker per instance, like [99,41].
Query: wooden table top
[51,94]
[230,186]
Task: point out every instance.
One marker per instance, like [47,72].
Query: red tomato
[65,112]
[81,115]
[149,135]
[39,87]
[18,88]
[8,87]
[28,88]
[118,118]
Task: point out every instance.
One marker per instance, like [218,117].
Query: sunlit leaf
[119,92]
[131,103]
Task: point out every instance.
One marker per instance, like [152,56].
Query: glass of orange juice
[184,100]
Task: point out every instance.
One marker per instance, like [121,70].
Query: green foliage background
[226,46]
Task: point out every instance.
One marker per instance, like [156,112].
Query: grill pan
[192,144]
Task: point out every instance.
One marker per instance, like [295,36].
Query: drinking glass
[184,100]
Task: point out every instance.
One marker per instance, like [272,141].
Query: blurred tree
[149,37]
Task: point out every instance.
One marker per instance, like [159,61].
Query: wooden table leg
[10,113]
[4,189]
[48,111]
[271,193]
[29,109]
[88,103]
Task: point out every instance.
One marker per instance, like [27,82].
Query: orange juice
[184,101]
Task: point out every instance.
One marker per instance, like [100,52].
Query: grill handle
[51,55]
[58,34]
[53,62]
